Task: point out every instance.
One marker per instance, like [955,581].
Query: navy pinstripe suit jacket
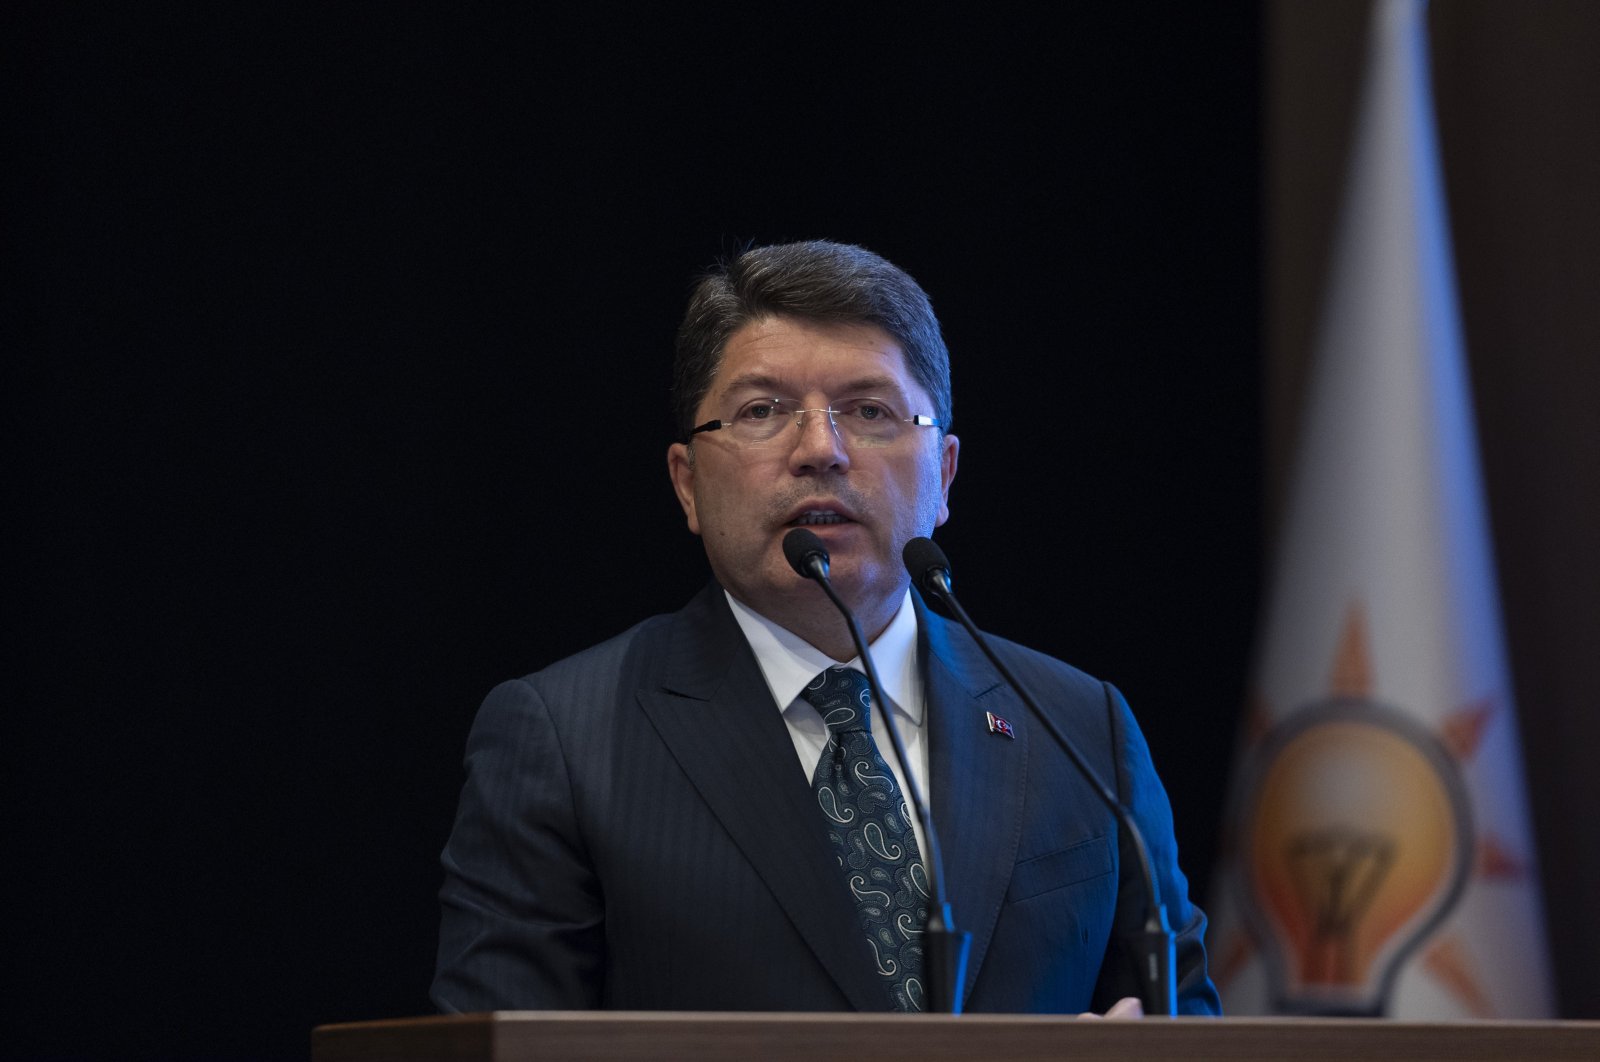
[636,834]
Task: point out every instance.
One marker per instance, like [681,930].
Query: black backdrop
[338,393]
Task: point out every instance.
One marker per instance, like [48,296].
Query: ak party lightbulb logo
[1353,839]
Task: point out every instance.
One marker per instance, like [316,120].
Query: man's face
[743,500]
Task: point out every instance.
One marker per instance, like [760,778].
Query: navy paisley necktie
[870,828]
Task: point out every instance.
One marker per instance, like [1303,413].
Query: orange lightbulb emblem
[1356,842]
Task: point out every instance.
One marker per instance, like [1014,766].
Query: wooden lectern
[617,1036]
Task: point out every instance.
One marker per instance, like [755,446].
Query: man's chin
[855,572]
[864,583]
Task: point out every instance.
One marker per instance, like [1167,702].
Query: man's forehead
[783,353]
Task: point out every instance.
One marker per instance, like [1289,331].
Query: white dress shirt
[789,663]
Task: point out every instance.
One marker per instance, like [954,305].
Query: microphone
[928,566]
[1157,951]
[944,948]
[807,555]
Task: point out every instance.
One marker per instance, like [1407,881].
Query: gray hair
[817,281]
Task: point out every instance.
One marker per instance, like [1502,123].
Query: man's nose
[819,445]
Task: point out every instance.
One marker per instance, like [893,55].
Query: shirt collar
[789,662]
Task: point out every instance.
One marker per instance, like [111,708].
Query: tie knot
[842,697]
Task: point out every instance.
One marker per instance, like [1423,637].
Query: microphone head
[929,567]
[806,554]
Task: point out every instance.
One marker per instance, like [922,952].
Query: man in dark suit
[696,814]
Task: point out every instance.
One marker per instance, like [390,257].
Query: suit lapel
[977,778]
[715,714]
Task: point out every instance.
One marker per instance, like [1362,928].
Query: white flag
[1379,858]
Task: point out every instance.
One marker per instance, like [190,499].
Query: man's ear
[680,466]
[949,451]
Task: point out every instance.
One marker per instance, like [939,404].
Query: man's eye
[758,410]
[870,410]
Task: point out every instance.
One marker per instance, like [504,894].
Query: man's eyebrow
[861,386]
[753,381]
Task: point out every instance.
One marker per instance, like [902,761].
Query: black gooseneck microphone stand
[944,948]
[1156,949]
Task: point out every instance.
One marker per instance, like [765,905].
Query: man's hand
[1126,1007]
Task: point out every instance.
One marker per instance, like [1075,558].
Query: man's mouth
[818,518]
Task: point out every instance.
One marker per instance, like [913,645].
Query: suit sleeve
[521,922]
[1140,790]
